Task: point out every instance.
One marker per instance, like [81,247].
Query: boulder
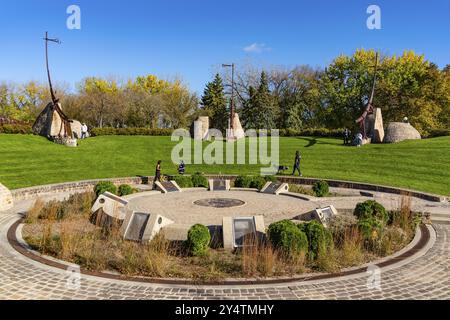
[76,129]
[400,131]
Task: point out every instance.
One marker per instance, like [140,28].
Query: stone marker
[143,226]
[108,210]
[237,132]
[400,131]
[6,199]
[201,128]
[219,185]
[275,188]
[168,186]
[322,215]
[236,229]
[378,129]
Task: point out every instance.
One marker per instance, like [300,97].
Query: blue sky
[190,39]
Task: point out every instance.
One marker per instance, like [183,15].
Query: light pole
[231,126]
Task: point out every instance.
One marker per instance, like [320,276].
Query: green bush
[287,237]
[130,132]
[319,238]
[321,188]
[198,180]
[243,182]
[16,129]
[258,182]
[371,209]
[438,133]
[198,240]
[312,132]
[370,228]
[183,181]
[104,186]
[270,178]
[125,190]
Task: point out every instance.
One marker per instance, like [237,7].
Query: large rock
[400,131]
[76,129]
[201,128]
[378,128]
[49,123]
[237,132]
[6,199]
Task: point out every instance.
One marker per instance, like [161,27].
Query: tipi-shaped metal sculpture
[52,122]
[369,107]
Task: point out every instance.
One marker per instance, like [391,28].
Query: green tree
[259,111]
[215,104]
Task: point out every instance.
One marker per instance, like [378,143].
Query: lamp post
[231,126]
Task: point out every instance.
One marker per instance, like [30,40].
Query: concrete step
[440,215]
[440,220]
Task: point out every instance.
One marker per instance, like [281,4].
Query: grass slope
[27,160]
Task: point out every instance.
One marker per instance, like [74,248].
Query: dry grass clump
[296,188]
[259,258]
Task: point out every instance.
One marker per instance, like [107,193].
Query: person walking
[298,157]
[157,174]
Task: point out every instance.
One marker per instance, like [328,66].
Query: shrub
[312,132]
[130,132]
[198,180]
[270,178]
[16,129]
[258,182]
[319,238]
[125,190]
[104,186]
[371,209]
[288,238]
[183,181]
[243,182]
[370,228]
[198,240]
[321,188]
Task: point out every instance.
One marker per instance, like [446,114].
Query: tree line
[285,98]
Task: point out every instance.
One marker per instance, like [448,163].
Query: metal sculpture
[369,109]
[65,121]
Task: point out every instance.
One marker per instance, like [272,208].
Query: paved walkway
[425,277]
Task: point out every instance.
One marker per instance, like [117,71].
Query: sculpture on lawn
[371,121]
[52,122]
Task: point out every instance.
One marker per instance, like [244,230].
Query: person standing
[157,174]
[346,136]
[84,131]
[298,157]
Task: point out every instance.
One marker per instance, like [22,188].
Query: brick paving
[425,277]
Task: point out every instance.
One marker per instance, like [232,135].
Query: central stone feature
[219,203]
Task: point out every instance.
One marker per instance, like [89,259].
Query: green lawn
[31,160]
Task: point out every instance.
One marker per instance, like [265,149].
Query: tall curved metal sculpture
[369,107]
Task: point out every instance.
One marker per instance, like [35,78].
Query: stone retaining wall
[81,186]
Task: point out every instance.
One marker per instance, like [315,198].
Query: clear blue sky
[192,38]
